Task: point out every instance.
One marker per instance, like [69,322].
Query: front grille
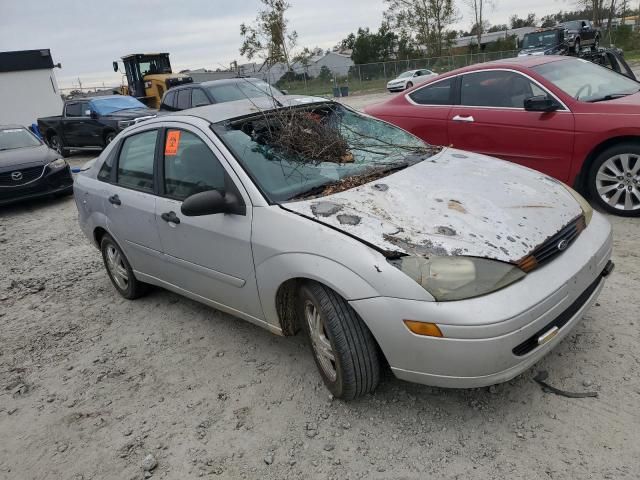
[561,320]
[28,175]
[553,245]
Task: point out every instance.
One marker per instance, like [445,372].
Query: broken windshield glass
[318,150]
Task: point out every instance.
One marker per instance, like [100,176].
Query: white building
[28,87]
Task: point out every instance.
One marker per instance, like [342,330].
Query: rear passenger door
[129,201]
[210,255]
[491,120]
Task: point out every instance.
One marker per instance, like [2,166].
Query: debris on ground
[543,375]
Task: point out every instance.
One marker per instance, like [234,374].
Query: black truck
[91,123]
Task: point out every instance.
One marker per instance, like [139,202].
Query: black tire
[133,288]
[108,138]
[55,142]
[409,85]
[627,181]
[357,365]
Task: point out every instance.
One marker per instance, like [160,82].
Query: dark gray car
[28,168]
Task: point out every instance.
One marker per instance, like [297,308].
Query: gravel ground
[93,386]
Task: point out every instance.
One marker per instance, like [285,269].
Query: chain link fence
[370,77]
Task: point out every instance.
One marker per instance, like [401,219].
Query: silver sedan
[458,269]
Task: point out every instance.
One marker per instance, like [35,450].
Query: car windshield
[586,81]
[540,39]
[242,89]
[12,138]
[105,106]
[406,74]
[317,150]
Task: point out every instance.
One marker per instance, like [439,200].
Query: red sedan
[566,117]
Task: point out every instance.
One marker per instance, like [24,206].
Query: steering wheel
[586,86]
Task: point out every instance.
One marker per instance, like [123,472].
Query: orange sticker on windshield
[173,142]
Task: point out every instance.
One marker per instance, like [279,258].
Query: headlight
[458,278]
[587,210]
[122,124]
[58,164]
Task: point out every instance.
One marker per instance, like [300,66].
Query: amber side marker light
[423,328]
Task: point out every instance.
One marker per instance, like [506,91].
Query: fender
[276,270]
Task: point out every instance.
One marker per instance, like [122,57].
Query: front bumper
[51,183]
[481,334]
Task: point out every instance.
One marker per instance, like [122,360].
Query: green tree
[267,37]
[517,22]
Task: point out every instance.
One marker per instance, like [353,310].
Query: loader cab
[149,75]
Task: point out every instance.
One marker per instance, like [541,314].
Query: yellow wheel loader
[148,76]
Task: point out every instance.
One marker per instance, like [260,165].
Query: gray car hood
[26,157]
[454,203]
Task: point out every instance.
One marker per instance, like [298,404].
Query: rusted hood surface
[454,203]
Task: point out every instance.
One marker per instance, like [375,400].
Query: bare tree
[427,21]
[477,8]
[267,37]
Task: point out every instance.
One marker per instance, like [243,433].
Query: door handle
[170,217]
[460,118]
[115,200]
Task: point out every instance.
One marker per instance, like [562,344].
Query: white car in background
[409,79]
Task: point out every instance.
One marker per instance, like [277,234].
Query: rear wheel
[343,348]
[56,143]
[614,180]
[119,270]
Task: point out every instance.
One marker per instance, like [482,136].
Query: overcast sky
[87,35]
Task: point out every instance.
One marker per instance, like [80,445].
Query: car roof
[219,112]
[208,83]
[516,63]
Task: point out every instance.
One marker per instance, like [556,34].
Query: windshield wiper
[611,96]
[350,181]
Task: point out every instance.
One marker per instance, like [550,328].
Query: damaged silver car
[298,213]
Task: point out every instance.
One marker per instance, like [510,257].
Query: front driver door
[491,120]
[210,255]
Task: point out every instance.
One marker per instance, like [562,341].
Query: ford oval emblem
[563,244]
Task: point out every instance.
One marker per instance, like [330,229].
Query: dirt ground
[91,384]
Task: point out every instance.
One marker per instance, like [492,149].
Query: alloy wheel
[618,181]
[116,266]
[319,341]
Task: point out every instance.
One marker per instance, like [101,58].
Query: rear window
[169,100]
[184,99]
[240,90]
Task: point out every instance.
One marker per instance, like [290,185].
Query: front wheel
[409,85]
[56,143]
[344,350]
[576,47]
[109,138]
[614,180]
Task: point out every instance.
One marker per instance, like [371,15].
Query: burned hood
[454,203]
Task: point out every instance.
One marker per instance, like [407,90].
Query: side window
[84,109]
[169,100]
[105,171]
[135,164]
[199,98]
[438,93]
[496,88]
[72,110]
[184,99]
[190,166]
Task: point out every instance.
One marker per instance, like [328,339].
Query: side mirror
[212,202]
[115,66]
[540,103]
